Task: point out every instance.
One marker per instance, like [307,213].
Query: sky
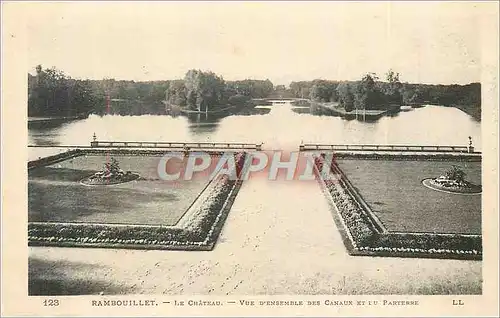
[432,42]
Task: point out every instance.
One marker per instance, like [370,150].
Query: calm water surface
[278,127]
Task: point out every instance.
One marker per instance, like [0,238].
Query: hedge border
[41,162]
[362,238]
[409,156]
[140,236]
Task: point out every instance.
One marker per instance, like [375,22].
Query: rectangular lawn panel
[394,192]
[368,233]
[146,213]
[56,195]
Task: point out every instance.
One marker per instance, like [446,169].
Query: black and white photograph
[239,155]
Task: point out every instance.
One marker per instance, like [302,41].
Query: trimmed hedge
[387,156]
[54,158]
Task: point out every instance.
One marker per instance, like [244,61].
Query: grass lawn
[56,195]
[394,192]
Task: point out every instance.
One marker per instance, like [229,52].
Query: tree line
[206,91]
[372,93]
[53,93]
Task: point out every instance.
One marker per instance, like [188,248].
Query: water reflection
[254,111]
[302,110]
[203,123]
[46,133]
[280,126]
[320,111]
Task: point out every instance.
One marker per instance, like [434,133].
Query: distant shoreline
[473,111]
[368,113]
[53,120]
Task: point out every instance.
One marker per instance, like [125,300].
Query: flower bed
[362,236]
[128,177]
[198,230]
[467,188]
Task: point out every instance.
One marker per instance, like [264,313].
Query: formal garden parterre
[196,226]
[364,232]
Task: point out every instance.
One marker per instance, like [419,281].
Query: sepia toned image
[212,151]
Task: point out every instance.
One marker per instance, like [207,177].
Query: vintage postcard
[250,158]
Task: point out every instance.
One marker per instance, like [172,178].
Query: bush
[238,100]
[456,174]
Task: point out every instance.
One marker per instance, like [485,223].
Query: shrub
[456,174]
[238,100]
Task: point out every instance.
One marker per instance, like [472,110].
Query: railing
[59,146]
[176,145]
[309,147]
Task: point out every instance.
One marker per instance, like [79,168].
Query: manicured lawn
[394,192]
[55,194]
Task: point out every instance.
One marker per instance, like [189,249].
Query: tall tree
[393,89]
[345,96]
[366,95]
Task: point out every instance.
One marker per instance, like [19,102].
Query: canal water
[279,127]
